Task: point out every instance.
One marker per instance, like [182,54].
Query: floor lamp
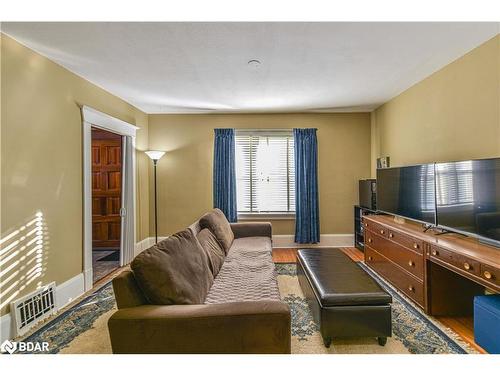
[155,156]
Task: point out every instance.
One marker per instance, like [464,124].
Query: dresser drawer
[376,228]
[410,260]
[442,254]
[459,261]
[406,241]
[406,283]
[490,274]
[467,265]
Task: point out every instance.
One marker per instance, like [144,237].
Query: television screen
[408,192]
[468,197]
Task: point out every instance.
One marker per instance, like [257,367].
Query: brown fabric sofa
[241,312]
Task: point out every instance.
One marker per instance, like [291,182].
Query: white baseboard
[65,293]
[5,327]
[326,240]
[145,244]
[69,290]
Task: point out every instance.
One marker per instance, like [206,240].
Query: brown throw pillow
[174,272]
[213,249]
[217,223]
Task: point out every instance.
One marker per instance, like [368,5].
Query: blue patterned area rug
[73,323]
[83,327]
[419,333]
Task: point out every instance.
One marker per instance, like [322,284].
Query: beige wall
[143,170]
[185,173]
[41,171]
[453,114]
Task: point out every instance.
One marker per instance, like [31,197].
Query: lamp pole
[155,156]
[156,207]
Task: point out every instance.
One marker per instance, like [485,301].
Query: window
[265,171]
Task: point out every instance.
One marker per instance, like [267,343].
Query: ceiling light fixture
[254,64]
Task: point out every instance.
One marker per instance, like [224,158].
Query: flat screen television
[468,198]
[408,192]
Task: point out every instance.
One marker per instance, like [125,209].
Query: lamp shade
[155,155]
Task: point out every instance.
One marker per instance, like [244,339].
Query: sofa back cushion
[217,223]
[213,250]
[174,271]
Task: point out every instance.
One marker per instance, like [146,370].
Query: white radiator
[32,308]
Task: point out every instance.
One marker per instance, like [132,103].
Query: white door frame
[93,118]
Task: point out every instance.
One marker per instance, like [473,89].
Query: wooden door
[106,188]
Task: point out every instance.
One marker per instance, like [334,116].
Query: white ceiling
[202,67]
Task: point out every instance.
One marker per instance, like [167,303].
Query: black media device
[368,193]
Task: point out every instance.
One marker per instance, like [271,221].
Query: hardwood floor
[462,326]
[289,255]
[283,255]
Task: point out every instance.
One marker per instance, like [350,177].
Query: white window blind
[454,183]
[265,171]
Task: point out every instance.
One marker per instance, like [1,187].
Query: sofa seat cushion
[213,249]
[217,223]
[247,274]
[174,271]
[255,244]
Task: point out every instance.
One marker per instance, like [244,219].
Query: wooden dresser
[440,273]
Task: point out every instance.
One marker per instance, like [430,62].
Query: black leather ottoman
[345,300]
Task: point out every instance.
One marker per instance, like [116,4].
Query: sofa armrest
[127,292]
[252,229]
[237,327]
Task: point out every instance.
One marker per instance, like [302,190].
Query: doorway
[106,202]
[125,179]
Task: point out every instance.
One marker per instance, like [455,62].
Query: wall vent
[32,308]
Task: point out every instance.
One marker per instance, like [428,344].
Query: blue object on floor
[487,322]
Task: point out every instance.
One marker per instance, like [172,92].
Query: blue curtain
[306,186]
[225,173]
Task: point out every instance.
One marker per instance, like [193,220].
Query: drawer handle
[467,266]
[366,225]
[382,231]
[487,275]
[391,235]
[411,288]
[370,258]
[434,252]
[411,264]
[370,240]
[415,245]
